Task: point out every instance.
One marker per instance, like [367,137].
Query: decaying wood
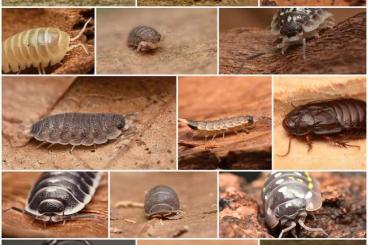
[340,50]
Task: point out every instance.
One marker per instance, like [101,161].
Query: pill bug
[293,26]
[59,196]
[67,242]
[39,48]
[221,126]
[162,202]
[332,120]
[287,198]
[144,38]
[82,128]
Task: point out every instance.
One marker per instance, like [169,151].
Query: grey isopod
[144,38]
[162,202]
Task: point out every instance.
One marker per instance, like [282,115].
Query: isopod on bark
[144,38]
[82,128]
[335,120]
[162,202]
[39,48]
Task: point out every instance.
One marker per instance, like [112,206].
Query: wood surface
[198,204]
[211,98]
[152,147]
[16,187]
[300,90]
[70,20]
[340,50]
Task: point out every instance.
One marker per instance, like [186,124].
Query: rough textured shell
[81,128]
[143,33]
[161,200]
[73,190]
[283,187]
[38,47]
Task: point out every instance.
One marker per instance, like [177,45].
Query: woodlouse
[59,196]
[82,128]
[144,38]
[162,202]
[295,25]
[333,120]
[39,48]
[287,199]
[221,126]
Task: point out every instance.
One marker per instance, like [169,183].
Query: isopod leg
[292,226]
[78,45]
[71,150]
[304,47]
[214,136]
[40,145]
[301,223]
[308,140]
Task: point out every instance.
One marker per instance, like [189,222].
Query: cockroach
[82,128]
[39,48]
[144,38]
[67,242]
[59,196]
[162,202]
[287,198]
[295,25]
[334,120]
[221,126]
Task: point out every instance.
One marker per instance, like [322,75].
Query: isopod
[39,48]
[82,128]
[59,196]
[221,126]
[295,25]
[162,202]
[144,38]
[287,199]
[333,120]
[67,242]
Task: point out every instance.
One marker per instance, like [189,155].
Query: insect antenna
[301,223]
[288,151]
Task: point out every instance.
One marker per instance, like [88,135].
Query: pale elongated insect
[221,126]
[39,48]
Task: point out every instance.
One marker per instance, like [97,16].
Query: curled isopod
[82,128]
[39,48]
[162,202]
[144,38]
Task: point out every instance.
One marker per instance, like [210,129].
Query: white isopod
[39,48]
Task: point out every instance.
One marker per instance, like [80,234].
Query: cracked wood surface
[69,20]
[199,205]
[16,224]
[211,98]
[153,147]
[340,50]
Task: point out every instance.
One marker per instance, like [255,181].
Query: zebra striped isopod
[59,196]
[82,128]
[38,47]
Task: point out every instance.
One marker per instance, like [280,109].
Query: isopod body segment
[162,202]
[287,198]
[38,48]
[67,242]
[144,38]
[59,196]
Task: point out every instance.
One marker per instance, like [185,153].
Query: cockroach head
[299,122]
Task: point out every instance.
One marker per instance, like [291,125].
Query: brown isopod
[39,48]
[82,128]
[162,202]
[144,38]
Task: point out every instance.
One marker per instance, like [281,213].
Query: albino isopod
[39,48]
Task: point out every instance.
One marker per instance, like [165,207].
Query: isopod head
[161,201]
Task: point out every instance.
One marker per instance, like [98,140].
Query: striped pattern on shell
[39,47]
[161,201]
[82,128]
[62,193]
[143,34]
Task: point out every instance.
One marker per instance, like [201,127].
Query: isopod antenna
[78,36]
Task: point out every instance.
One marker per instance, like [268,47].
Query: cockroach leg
[339,143]
[288,150]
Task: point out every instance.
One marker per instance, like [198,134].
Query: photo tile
[225,122]
[69,242]
[160,204]
[72,3]
[318,114]
[55,204]
[255,41]
[197,242]
[316,3]
[103,123]
[181,3]
[314,242]
[68,32]
[157,41]
[310,204]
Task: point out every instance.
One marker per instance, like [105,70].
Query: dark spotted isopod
[59,196]
[287,199]
[67,242]
[82,128]
[144,38]
[162,202]
[332,120]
